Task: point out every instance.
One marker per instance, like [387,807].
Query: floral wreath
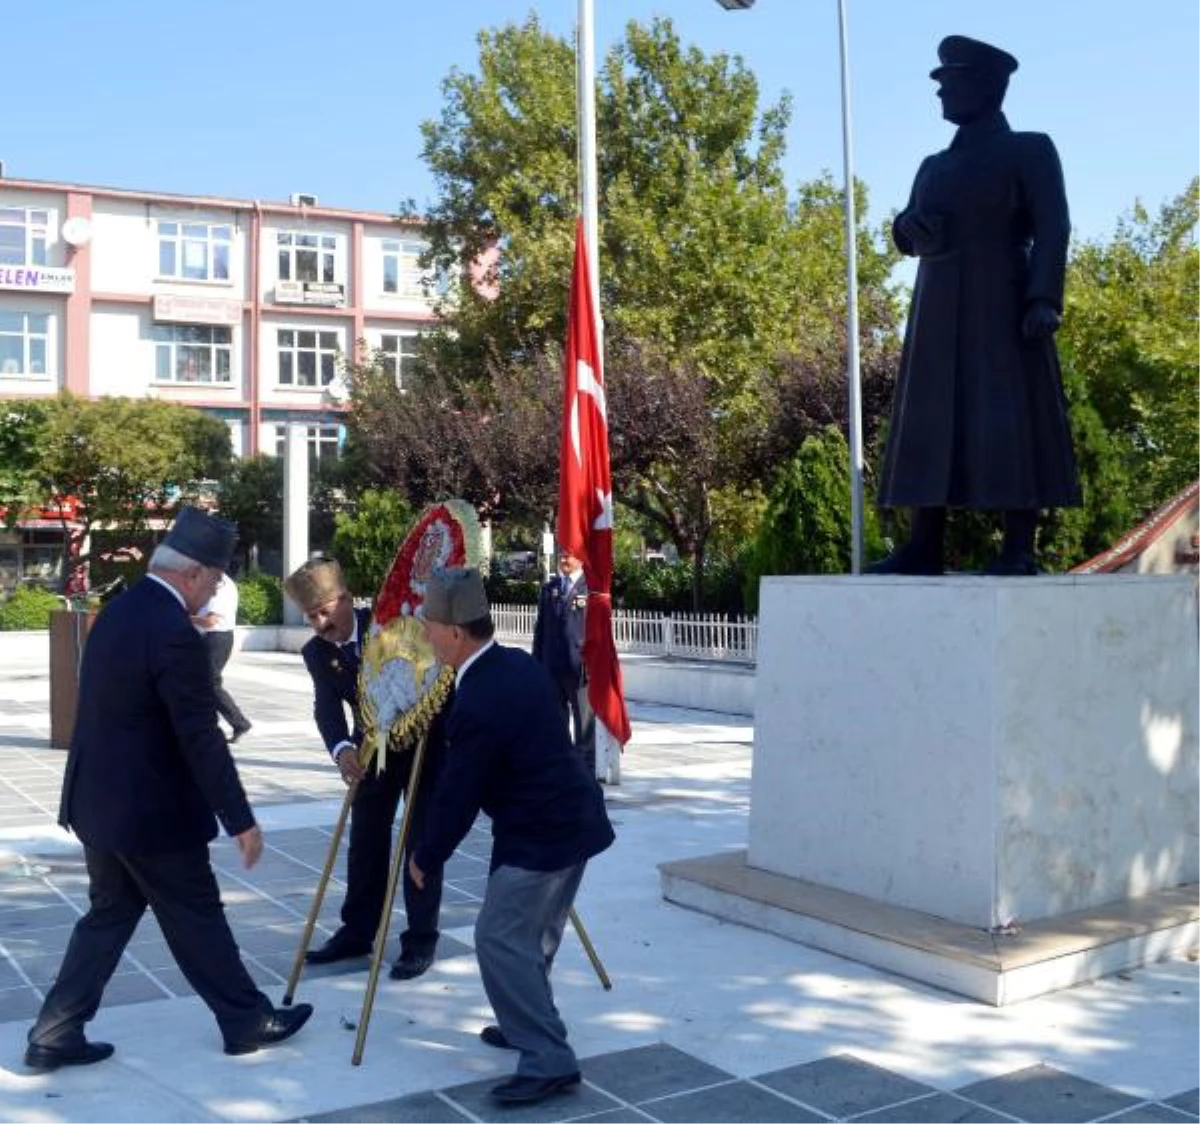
[401,686]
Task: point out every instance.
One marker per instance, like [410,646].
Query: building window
[307,358]
[24,343]
[193,353]
[194,251]
[323,441]
[23,236]
[306,257]
[398,354]
[402,272]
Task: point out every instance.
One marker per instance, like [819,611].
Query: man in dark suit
[333,657]
[558,635]
[510,756]
[148,776]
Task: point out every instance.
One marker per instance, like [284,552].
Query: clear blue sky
[260,98]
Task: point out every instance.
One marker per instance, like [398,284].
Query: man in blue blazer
[148,776]
[558,635]
[333,657]
[509,755]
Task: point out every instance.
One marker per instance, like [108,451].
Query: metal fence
[700,636]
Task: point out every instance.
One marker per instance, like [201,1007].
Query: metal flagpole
[853,373]
[608,749]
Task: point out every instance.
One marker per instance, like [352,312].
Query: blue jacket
[149,769]
[335,686]
[559,630]
[510,756]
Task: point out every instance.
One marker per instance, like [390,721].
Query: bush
[503,590]
[260,599]
[667,587]
[29,607]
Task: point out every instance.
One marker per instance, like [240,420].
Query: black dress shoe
[527,1090]
[338,947]
[410,966]
[277,1027]
[46,1058]
[494,1036]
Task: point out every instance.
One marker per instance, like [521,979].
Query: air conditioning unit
[302,199]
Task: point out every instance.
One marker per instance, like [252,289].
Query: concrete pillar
[295,510]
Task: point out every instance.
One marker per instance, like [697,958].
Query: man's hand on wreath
[349,765]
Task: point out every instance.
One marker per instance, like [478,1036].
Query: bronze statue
[979,418]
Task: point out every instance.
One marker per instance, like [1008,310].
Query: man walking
[217,621]
[148,776]
[510,756]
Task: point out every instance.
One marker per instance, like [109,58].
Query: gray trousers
[517,933]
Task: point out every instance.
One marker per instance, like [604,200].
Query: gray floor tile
[420,1108]
[1042,1092]
[1185,1102]
[624,1115]
[940,1108]
[583,1100]
[843,1085]
[1149,1113]
[18,1004]
[648,1072]
[735,1102]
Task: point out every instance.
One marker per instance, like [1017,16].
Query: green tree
[22,426]
[366,539]
[1131,349]
[251,495]
[125,461]
[806,526]
[708,274]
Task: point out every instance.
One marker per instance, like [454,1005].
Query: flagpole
[585,70]
[608,749]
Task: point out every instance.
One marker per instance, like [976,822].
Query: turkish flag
[585,512]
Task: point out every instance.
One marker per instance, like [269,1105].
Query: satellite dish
[77,231]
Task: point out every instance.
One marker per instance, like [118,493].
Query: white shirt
[224,603]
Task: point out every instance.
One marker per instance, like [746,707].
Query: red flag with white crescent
[585,510]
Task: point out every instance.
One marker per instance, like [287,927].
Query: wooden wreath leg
[589,948]
[395,874]
[315,910]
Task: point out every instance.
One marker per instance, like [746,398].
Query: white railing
[700,636]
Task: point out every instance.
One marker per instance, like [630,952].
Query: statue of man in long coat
[979,418]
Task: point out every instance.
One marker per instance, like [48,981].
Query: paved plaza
[706,1021]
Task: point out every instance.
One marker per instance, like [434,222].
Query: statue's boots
[1016,557]
[911,558]
[923,553]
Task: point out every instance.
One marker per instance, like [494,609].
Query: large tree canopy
[710,280]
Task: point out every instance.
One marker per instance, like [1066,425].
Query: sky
[256,99]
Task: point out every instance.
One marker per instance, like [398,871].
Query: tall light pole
[854,377]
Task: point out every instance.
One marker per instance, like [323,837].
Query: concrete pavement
[706,1020]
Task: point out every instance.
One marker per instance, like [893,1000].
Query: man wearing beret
[979,418]
[333,657]
[510,756]
[148,777]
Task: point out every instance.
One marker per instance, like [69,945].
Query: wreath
[402,688]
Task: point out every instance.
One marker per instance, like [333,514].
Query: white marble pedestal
[983,753]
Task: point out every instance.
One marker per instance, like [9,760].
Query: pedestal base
[995,968]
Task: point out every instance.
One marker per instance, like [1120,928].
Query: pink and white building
[239,307]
